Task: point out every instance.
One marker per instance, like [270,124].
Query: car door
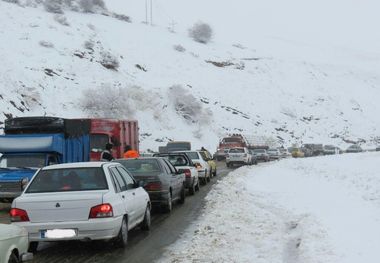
[175,178]
[138,193]
[127,196]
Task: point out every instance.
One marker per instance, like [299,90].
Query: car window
[141,166]
[192,155]
[177,160]
[115,184]
[128,179]
[172,170]
[119,179]
[69,179]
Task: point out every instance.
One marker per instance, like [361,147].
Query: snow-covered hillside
[262,74]
[323,209]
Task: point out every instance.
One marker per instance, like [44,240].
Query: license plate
[58,233]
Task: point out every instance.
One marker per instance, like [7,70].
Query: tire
[145,224]
[33,246]
[122,238]
[192,189]
[169,204]
[215,172]
[197,187]
[183,195]
[13,258]
[208,178]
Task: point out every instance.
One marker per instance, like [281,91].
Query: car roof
[75,165]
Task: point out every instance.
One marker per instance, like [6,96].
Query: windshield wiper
[4,168]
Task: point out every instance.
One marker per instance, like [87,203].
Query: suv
[238,155]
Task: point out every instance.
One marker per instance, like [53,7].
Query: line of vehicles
[60,191]
[236,149]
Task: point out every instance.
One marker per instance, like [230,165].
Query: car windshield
[177,160]
[139,167]
[36,161]
[259,150]
[237,150]
[70,179]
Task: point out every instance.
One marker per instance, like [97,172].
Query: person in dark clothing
[106,154]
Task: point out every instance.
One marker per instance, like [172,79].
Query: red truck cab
[117,132]
[234,140]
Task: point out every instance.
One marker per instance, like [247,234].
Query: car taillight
[18,215]
[101,211]
[187,172]
[153,186]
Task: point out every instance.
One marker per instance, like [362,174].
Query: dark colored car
[185,165]
[162,181]
[354,149]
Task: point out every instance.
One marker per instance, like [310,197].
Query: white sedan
[13,244]
[81,201]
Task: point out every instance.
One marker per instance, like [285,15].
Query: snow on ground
[324,209]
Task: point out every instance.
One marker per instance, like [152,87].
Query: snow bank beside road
[323,209]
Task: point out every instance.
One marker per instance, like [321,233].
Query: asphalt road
[142,246]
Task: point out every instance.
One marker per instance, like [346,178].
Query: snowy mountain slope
[292,90]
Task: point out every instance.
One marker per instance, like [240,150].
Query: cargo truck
[30,143]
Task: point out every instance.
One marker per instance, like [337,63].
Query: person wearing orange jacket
[130,153]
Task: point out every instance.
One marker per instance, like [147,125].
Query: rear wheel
[192,189]
[122,239]
[13,258]
[182,196]
[208,178]
[145,224]
[198,185]
[169,204]
[33,247]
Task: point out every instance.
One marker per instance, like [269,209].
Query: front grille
[10,187]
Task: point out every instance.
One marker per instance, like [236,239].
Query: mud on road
[142,246]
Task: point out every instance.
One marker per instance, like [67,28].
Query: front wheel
[122,238]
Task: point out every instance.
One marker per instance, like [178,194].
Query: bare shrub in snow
[109,61]
[189,107]
[89,44]
[201,32]
[106,102]
[92,6]
[61,19]
[53,6]
[122,17]
[11,1]
[179,48]
[46,44]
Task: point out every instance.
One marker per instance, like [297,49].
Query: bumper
[158,197]
[202,174]
[189,182]
[92,229]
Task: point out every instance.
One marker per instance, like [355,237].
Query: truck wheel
[122,238]
[33,247]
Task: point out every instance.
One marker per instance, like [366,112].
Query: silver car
[81,201]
